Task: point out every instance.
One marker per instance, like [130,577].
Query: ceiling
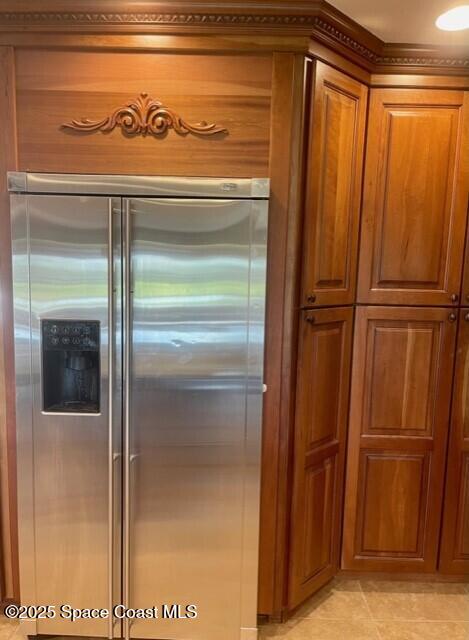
[404,21]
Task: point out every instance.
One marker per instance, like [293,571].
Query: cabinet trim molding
[314,18]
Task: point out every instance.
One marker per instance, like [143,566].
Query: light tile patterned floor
[7,628]
[366,610]
[379,610]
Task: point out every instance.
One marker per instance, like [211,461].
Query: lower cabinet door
[454,550]
[320,434]
[400,403]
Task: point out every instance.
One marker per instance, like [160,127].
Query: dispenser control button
[71,335]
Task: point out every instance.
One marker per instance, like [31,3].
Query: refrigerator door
[195,273]
[66,263]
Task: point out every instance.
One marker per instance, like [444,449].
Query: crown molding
[184,16]
[415,58]
[345,36]
[316,19]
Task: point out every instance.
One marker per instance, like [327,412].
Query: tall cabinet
[409,291]
[332,214]
[380,463]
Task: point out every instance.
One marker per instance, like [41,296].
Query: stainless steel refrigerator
[139,333]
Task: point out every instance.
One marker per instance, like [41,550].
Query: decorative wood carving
[144,115]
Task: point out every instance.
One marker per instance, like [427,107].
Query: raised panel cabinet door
[334,182]
[398,432]
[319,451]
[415,197]
[454,554]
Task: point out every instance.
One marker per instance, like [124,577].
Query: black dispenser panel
[70,366]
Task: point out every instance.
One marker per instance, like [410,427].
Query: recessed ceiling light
[455,19]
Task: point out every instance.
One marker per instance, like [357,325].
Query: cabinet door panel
[454,557]
[401,388]
[337,131]
[318,502]
[320,434]
[415,197]
[393,503]
[401,385]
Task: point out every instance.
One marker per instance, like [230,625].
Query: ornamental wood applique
[145,116]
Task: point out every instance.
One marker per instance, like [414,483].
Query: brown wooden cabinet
[415,197]
[319,454]
[400,403]
[454,555]
[334,178]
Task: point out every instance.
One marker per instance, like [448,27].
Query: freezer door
[195,331]
[66,263]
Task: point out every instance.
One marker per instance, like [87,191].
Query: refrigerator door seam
[127,356]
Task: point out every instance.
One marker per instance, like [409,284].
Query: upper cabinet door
[415,197]
[333,190]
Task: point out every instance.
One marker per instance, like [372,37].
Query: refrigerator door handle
[127,405]
[114,401]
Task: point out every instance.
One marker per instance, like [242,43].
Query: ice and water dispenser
[70,366]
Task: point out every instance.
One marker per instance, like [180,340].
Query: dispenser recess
[70,366]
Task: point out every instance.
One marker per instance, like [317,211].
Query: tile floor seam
[422,621]
[319,617]
[378,632]
[366,601]
[375,624]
